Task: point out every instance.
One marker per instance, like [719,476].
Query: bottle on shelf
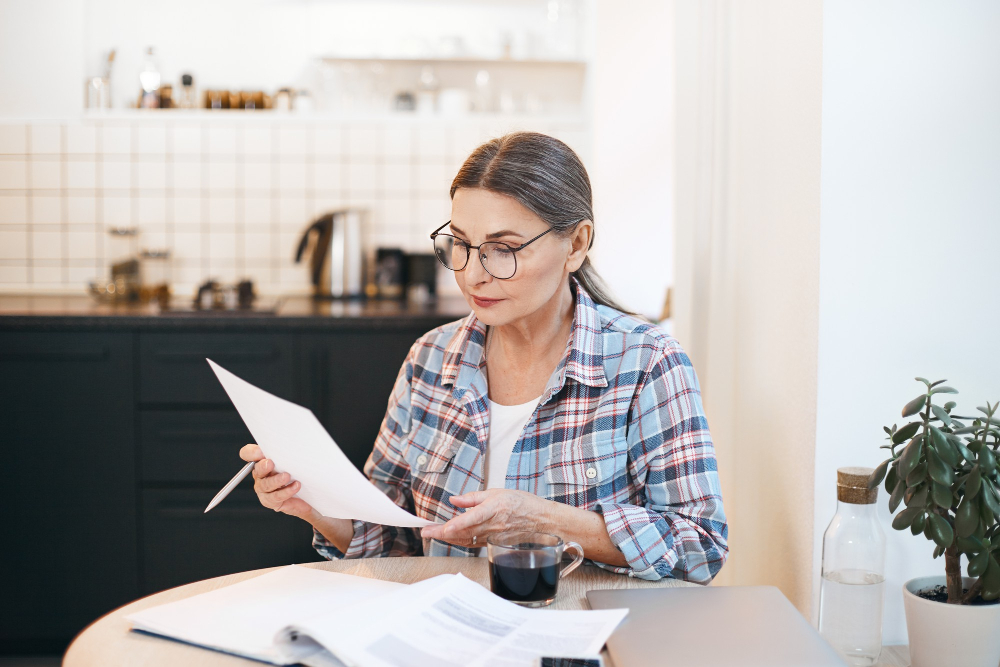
[853,581]
[149,82]
[186,97]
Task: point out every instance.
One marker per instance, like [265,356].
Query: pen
[230,486]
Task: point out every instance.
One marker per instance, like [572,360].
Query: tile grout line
[29,211]
[64,203]
[98,196]
[239,165]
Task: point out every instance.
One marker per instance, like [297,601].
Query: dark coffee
[524,576]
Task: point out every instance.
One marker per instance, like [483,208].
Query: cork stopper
[852,486]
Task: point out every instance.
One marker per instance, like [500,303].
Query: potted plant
[943,469]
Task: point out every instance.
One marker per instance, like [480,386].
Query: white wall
[48,47]
[910,234]
[632,169]
[748,192]
[41,57]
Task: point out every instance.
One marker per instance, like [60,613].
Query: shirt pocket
[591,460]
[429,453]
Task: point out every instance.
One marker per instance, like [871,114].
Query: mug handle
[576,561]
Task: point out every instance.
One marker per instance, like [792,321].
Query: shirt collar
[584,360]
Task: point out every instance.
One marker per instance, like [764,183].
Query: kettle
[337,250]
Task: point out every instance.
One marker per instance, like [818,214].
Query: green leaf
[917,475]
[941,414]
[967,517]
[910,457]
[878,474]
[950,405]
[978,563]
[943,447]
[938,550]
[970,545]
[991,580]
[905,433]
[941,495]
[941,531]
[943,390]
[905,518]
[897,495]
[891,478]
[918,498]
[973,483]
[966,429]
[989,497]
[962,449]
[913,407]
[926,382]
[918,524]
[986,515]
[987,461]
[939,471]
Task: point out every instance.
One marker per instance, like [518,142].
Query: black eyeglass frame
[468,250]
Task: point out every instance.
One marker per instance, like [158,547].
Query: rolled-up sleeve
[679,530]
[388,470]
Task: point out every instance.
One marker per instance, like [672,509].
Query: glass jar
[853,583]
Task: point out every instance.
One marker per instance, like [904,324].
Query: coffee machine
[336,245]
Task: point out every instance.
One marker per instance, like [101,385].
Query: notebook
[326,619]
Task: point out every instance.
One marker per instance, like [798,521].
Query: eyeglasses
[499,259]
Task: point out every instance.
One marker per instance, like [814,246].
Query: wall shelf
[468,61]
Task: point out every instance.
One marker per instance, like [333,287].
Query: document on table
[292,437]
[244,618]
[447,621]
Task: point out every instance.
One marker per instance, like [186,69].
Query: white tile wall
[229,195]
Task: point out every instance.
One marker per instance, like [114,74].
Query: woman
[547,409]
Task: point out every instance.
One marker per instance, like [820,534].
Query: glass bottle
[186,98]
[149,82]
[853,583]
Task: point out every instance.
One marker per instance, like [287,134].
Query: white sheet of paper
[244,618]
[450,621]
[292,437]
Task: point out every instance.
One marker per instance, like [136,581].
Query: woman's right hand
[276,491]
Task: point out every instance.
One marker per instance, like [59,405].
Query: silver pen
[230,486]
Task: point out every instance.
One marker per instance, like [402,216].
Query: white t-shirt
[507,422]
[506,425]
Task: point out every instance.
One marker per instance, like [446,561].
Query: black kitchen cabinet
[173,369]
[190,446]
[116,434]
[181,544]
[67,425]
[351,375]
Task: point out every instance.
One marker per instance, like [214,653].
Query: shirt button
[591,473]
[422,460]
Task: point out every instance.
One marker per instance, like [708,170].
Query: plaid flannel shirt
[619,430]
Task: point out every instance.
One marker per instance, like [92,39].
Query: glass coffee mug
[526,567]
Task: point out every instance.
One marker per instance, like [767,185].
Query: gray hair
[545,176]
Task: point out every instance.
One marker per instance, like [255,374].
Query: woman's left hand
[488,512]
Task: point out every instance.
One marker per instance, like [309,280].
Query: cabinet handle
[86,354]
[220,512]
[177,434]
[180,356]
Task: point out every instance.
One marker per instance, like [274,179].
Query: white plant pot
[950,634]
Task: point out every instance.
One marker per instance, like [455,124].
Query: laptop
[715,626]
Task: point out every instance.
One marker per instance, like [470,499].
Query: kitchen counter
[22,311]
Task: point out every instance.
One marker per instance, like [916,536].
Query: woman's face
[479,215]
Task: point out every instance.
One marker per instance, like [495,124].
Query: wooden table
[107,642]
